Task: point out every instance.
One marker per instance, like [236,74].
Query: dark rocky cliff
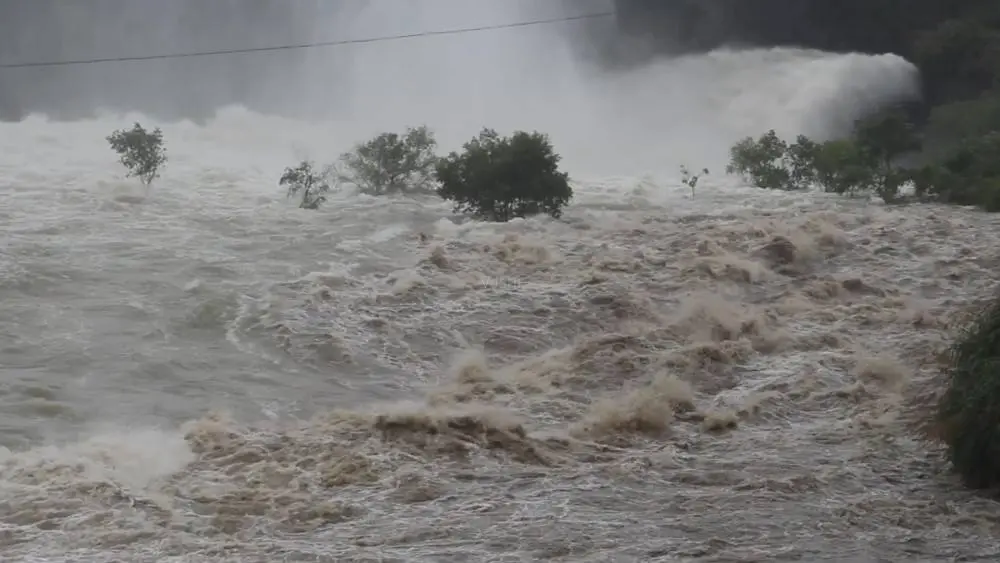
[873,26]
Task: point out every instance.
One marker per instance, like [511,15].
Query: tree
[960,57]
[801,159]
[881,140]
[770,162]
[867,161]
[762,162]
[949,125]
[311,184]
[390,163]
[886,136]
[499,178]
[839,167]
[967,175]
[141,153]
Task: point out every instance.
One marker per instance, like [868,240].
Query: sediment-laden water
[206,373]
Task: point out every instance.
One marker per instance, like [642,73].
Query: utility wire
[310,45]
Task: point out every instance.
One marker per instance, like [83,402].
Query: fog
[54,30]
[301,82]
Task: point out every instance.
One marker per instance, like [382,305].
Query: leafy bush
[886,136]
[391,163]
[961,56]
[967,175]
[989,194]
[305,180]
[865,162]
[881,140]
[762,162]
[801,158]
[839,167]
[499,178]
[969,411]
[952,124]
[141,152]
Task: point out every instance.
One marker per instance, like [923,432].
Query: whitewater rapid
[206,373]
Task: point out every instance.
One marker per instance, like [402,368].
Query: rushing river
[206,373]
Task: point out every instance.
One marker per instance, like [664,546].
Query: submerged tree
[392,163]
[691,180]
[969,412]
[141,152]
[867,161]
[762,162]
[500,178]
[304,180]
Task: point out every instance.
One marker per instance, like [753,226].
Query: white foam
[218,208]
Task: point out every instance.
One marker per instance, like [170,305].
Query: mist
[53,30]
[651,117]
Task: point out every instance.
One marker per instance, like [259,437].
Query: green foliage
[969,411]
[391,163]
[967,175]
[141,152]
[304,180]
[961,55]
[952,124]
[885,137]
[959,60]
[499,178]
[800,158]
[839,167]
[863,163]
[691,180]
[761,162]
[881,140]
[958,54]
[989,194]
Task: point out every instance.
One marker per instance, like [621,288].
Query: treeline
[884,156]
[948,153]
[493,178]
[959,58]
[959,61]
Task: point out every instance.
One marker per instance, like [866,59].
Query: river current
[204,372]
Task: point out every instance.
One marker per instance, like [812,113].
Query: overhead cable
[311,45]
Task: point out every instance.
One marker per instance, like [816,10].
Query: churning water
[206,373]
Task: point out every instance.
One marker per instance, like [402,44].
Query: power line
[310,45]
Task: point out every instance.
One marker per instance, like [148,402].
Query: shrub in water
[864,162]
[304,180]
[691,180]
[881,140]
[969,411]
[839,167]
[968,175]
[141,152]
[499,178]
[392,163]
[762,162]
[800,159]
